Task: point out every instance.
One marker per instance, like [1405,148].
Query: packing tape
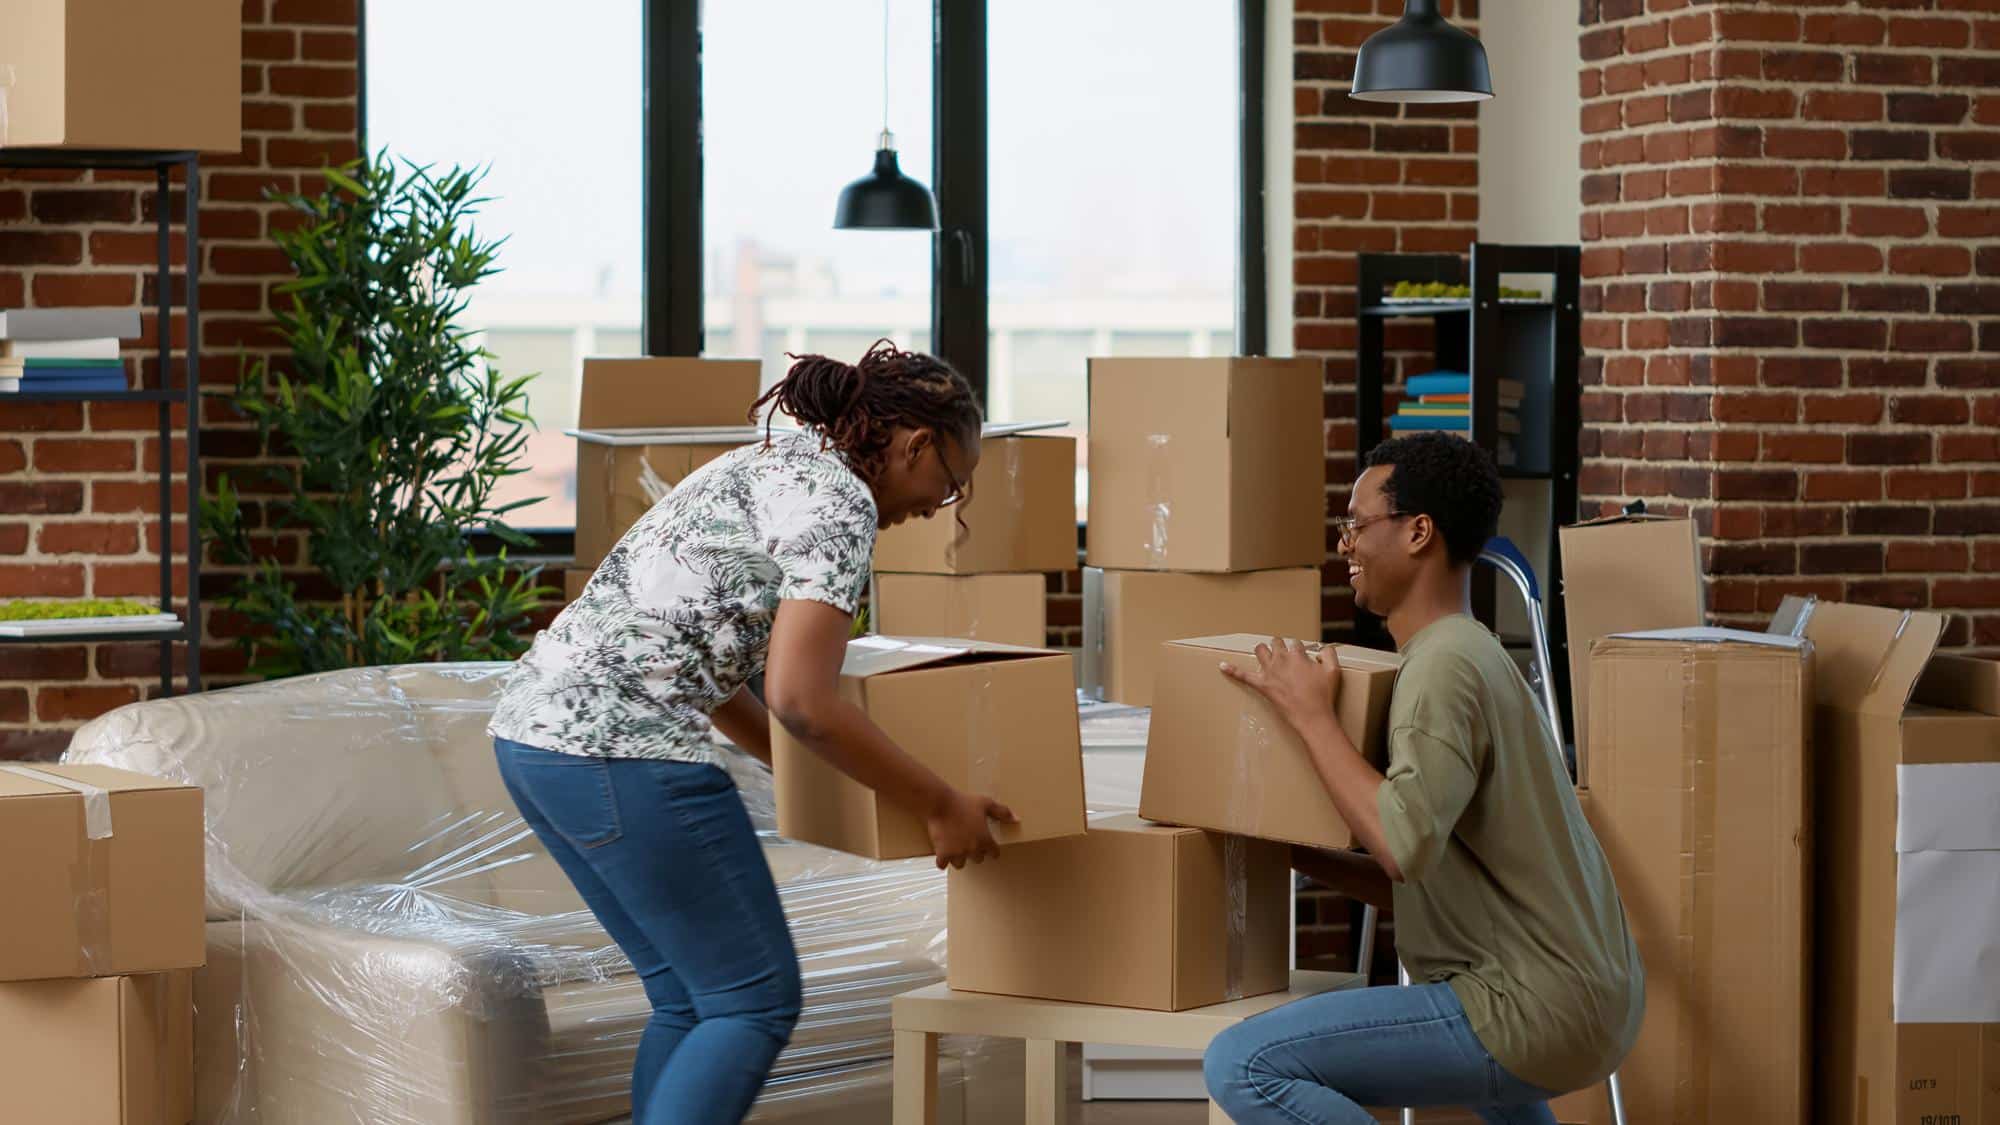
[90,879]
[982,749]
[1094,672]
[1701,727]
[652,483]
[1236,884]
[1888,651]
[1255,737]
[1159,499]
[1797,627]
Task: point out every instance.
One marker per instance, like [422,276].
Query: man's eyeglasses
[1349,526]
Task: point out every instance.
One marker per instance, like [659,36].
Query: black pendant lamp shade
[885,199]
[1421,58]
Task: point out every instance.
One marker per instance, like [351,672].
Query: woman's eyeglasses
[957,492]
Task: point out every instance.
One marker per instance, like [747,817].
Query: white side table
[1048,1027]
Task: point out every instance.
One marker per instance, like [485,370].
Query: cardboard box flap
[666,391]
[1010,429]
[1626,517]
[40,779]
[877,655]
[675,435]
[1868,659]
[1248,642]
[1703,634]
[1961,683]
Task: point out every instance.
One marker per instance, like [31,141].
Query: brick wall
[78,502]
[1369,177]
[1792,293]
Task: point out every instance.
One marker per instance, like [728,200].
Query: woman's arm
[802,687]
[743,720]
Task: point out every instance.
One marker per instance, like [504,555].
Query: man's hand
[1299,683]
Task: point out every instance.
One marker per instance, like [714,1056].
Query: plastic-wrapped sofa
[389,944]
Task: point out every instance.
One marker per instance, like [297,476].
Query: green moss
[77,607]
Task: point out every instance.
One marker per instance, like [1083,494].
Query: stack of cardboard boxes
[1805,830]
[1207,509]
[980,570]
[101,870]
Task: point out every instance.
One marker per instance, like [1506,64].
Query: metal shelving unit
[1537,343]
[189,394]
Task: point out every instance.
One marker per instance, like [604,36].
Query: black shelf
[162,164]
[1537,343]
[93,396]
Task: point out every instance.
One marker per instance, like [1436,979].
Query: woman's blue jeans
[664,855]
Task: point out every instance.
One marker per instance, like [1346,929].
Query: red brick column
[1792,228]
[78,501]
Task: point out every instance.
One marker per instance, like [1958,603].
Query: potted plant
[388,430]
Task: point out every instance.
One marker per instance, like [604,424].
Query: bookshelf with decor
[1503,374]
[71,355]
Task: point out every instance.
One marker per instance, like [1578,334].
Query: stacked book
[1442,400]
[64,350]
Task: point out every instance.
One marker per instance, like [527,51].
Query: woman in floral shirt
[756,562]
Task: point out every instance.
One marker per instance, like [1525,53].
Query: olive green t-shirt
[1506,893]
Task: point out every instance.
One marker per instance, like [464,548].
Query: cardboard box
[101,870]
[1020,515]
[1129,614]
[1623,574]
[642,426]
[122,74]
[1207,464]
[1219,757]
[1906,868]
[989,718]
[1130,914]
[1011,609]
[98,1051]
[574,580]
[1700,800]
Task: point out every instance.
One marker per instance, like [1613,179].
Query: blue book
[93,385]
[1401,422]
[70,369]
[1439,383]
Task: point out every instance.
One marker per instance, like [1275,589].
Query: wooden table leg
[1048,1088]
[1216,1116]
[916,1078]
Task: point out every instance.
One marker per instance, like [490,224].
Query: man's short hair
[1449,479]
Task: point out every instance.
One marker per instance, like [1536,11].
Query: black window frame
[671,320]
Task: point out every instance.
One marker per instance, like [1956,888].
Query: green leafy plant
[394,429]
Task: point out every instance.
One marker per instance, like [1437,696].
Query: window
[1087,159]
[554,117]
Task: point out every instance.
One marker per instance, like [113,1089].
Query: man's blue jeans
[664,855]
[1318,1061]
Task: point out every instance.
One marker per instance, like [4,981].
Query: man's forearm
[1350,873]
[1353,784]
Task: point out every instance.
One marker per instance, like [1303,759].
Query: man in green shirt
[1526,980]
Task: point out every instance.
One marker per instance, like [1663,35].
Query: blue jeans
[664,855]
[1317,1061]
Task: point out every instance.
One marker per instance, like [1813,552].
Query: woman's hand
[959,829]
[1299,684]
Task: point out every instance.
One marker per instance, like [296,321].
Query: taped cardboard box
[1623,574]
[1700,800]
[989,718]
[1219,757]
[1207,464]
[1020,515]
[101,870]
[1129,614]
[574,580]
[1130,914]
[98,1051]
[1906,869]
[122,74]
[1011,609]
[642,426]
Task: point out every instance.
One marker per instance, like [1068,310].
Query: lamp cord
[885,66]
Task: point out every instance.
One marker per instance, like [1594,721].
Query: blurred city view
[1113,218]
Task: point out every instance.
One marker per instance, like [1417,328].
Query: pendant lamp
[885,199]
[1421,58]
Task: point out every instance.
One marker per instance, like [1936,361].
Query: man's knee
[1225,1067]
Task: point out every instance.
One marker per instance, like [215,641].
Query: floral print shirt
[679,615]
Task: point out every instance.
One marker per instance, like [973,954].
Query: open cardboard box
[992,719]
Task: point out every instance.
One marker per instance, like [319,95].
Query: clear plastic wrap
[388,943]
